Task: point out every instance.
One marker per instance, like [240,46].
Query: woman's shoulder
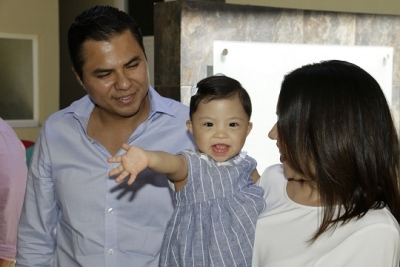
[272,175]
[372,240]
[378,218]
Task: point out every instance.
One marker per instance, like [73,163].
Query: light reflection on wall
[260,68]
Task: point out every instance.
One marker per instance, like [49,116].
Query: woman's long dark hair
[335,127]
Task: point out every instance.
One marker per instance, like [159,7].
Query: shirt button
[111,210]
[110,251]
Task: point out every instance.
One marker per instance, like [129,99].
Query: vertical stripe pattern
[215,214]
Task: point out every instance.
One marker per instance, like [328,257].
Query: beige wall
[38,17]
[357,6]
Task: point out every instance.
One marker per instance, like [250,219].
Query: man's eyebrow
[135,58]
[101,70]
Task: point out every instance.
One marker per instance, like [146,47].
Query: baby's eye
[233,124]
[208,124]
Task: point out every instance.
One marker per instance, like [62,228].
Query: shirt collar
[158,104]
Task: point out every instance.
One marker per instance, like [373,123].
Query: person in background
[334,200]
[216,202]
[74,214]
[13,176]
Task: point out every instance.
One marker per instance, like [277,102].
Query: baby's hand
[133,162]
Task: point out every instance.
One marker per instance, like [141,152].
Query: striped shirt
[13,176]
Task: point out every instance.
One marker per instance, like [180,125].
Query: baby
[216,201]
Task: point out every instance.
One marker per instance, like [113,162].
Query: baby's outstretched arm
[137,159]
[132,162]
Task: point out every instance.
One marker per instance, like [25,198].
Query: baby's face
[220,128]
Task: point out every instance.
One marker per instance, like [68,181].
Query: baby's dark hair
[219,87]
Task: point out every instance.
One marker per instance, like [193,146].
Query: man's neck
[112,130]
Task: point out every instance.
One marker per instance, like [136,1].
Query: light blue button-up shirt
[75,214]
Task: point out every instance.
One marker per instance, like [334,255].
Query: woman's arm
[36,239]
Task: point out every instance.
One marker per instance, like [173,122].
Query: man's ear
[189,126]
[78,78]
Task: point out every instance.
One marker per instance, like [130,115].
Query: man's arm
[137,159]
[36,237]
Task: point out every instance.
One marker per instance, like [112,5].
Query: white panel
[26,85]
[260,67]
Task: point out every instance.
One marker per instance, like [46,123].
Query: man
[13,175]
[74,213]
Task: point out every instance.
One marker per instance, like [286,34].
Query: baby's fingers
[117,170]
[115,159]
[125,146]
[123,175]
[131,179]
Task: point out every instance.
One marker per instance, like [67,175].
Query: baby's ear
[249,127]
[189,126]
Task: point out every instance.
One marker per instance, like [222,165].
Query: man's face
[115,75]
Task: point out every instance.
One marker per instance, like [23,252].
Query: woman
[334,200]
